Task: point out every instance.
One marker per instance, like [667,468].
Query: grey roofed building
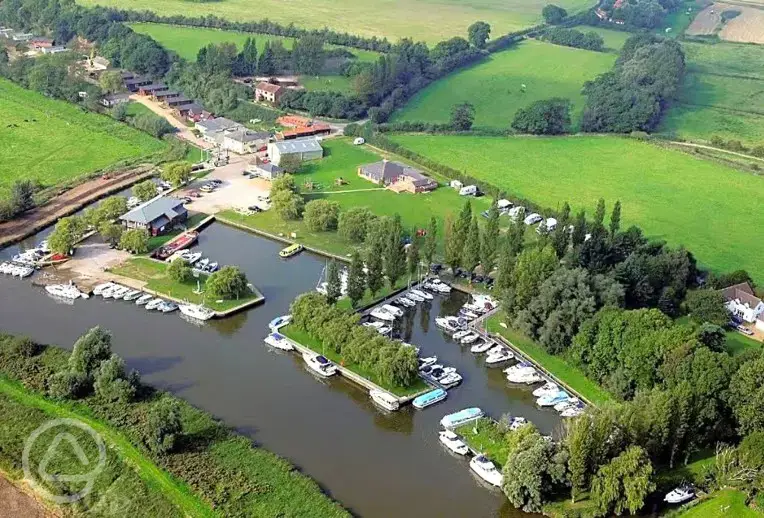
[246,136]
[216,124]
[386,173]
[267,170]
[298,146]
[156,215]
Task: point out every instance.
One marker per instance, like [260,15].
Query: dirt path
[68,203]
[703,146]
[15,503]
[184,132]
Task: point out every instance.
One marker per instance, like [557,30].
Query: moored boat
[680,494]
[320,364]
[65,291]
[154,303]
[450,380]
[461,417]
[552,399]
[548,388]
[430,398]
[413,296]
[278,341]
[423,294]
[132,295]
[498,355]
[144,299]
[486,470]
[385,400]
[451,441]
[167,307]
[279,322]
[469,338]
[398,312]
[481,347]
[196,311]
[291,250]
[382,314]
[100,287]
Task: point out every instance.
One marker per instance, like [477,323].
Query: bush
[321,215]
[545,117]
[135,240]
[164,426]
[68,385]
[553,14]
[152,124]
[573,38]
[111,382]
[228,283]
[180,271]
[89,351]
[353,224]
[25,347]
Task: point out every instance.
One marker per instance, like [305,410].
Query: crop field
[422,20]
[52,141]
[722,93]
[671,195]
[494,86]
[746,27]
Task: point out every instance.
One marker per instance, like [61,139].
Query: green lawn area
[341,160]
[614,40]
[308,341]
[154,273]
[53,141]
[493,86]
[671,195]
[187,41]
[722,93]
[134,108]
[157,241]
[488,440]
[722,504]
[738,343]
[422,20]
[561,369]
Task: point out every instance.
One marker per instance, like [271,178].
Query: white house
[741,302]
[241,140]
[304,149]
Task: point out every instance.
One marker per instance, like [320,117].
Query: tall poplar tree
[489,243]
[356,279]
[453,244]
[333,283]
[431,241]
[471,254]
[395,254]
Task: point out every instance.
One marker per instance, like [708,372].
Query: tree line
[589,40]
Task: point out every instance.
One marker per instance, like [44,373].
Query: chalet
[181,100]
[165,94]
[316,128]
[135,82]
[265,170]
[40,43]
[304,149]
[193,112]
[152,88]
[157,216]
[396,176]
[111,100]
[741,302]
[215,125]
[268,92]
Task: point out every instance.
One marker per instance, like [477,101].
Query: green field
[422,20]
[671,195]
[722,93]
[493,86]
[614,40]
[54,141]
[722,504]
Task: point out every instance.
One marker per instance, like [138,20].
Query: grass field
[614,40]
[722,93]
[722,504]
[671,195]
[493,86]
[53,141]
[422,20]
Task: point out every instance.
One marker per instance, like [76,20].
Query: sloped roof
[148,212]
[742,292]
[298,146]
[218,124]
[268,87]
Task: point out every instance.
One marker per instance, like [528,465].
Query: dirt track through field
[15,503]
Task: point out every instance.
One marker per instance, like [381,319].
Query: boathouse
[157,216]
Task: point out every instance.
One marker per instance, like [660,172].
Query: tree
[478,33]
[177,173]
[111,81]
[145,190]
[353,224]
[67,384]
[227,283]
[489,243]
[112,383]
[394,254]
[412,258]
[431,241]
[615,219]
[544,117]
[599,214]
[471,251]
[25,347]
[164,425]
[247,59]
[374,275]
[747,396]
[553,14]
[110,232]
[67,232]
[112,208]
[180,271]
[22,196]
[624,483]
[578,236]
[119,112]
[333,282]
[290,163]
[321,215]
[89,351]
[561,234]
[453,244]
[135,240]
[308,54]
[532,268]
[707,306]
[356,279]
[217,58]
[266,63]
[462,116]
[152,124]
[288,205]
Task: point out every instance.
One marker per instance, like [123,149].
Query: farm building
[56,49]
[132,84]
[152,88]
[193,112]
[293,121]
[313,129]
[741,302]
[111,100]
[304,149]
[180,100]
[214,125]
[165,94]
[397,176]
[268,92]
[266,170]
[156,216]
[40,43]
[241,140]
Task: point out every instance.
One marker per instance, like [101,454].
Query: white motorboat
[427,369]
[574,401]
[278,341]
[448,324]
[440,286]
[450,380]
[552,399]
[423,294]
[44,247]
[168,307]
[132,295]
[100,287]
[385,400]
[523,373]
[498,355]
[65,291]
[132,202]
[193,257]
[451,441]
[144,299]
[320,365]
[481,347]
[439,374]
[430,360]
[113,292]
[384,330]
[202,263]
[196,311]
[404,301]
[23,271]
[486,470]
[469,315]
[475,308]
[572,411]
[374,324]
[279,322]
[548,388]
[382,314]
[212,267]
[106,292]
[461,334]
[154,303]
[121,292]
[398,312]
[413,296]
[680,494]
[470,338]
[5,267]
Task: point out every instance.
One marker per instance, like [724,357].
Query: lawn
[424,20]
[493,86]
[488,440]
[310,342]
[671,195]
[722,504]
[614,39]
[53,141]
[154,273]
[738,343]
[341,160]
[557,366]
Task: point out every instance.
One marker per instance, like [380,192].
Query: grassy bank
[154,274]
[485,437]
[308,341]
[557,366]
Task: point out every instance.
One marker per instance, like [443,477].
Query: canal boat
[413,296]
[486,470]
[144,299]
[422,294]
[319,364]
[382,314]
[278,341]
[461,417]
[385,400]
[450,380]
[481,347]
[132,295]
[153,304]
[184,240]
[100,287]
[470,338]
[168,307]
[64,291]
[552,399]
[498,355]
[548,388]
[279,322]
[291,250]
[398,312]
[430,398]
[196,311]
[451,441]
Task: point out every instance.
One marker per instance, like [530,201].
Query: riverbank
[212,471]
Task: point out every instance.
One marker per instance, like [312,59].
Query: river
[377,465]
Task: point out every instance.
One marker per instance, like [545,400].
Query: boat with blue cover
[279,322]
[430,398]
[462,417]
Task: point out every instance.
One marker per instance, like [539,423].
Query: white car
[532,219]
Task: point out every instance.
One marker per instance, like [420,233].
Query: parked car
[744,330]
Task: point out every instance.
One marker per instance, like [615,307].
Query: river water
[377,465]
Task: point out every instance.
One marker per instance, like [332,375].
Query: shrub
[545,117]
[180,271]
[25,347]
[164,426]
[89,350]
[135,240]
[321,215]
[68,385]
[111,382]
[229,283]
[353,224]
